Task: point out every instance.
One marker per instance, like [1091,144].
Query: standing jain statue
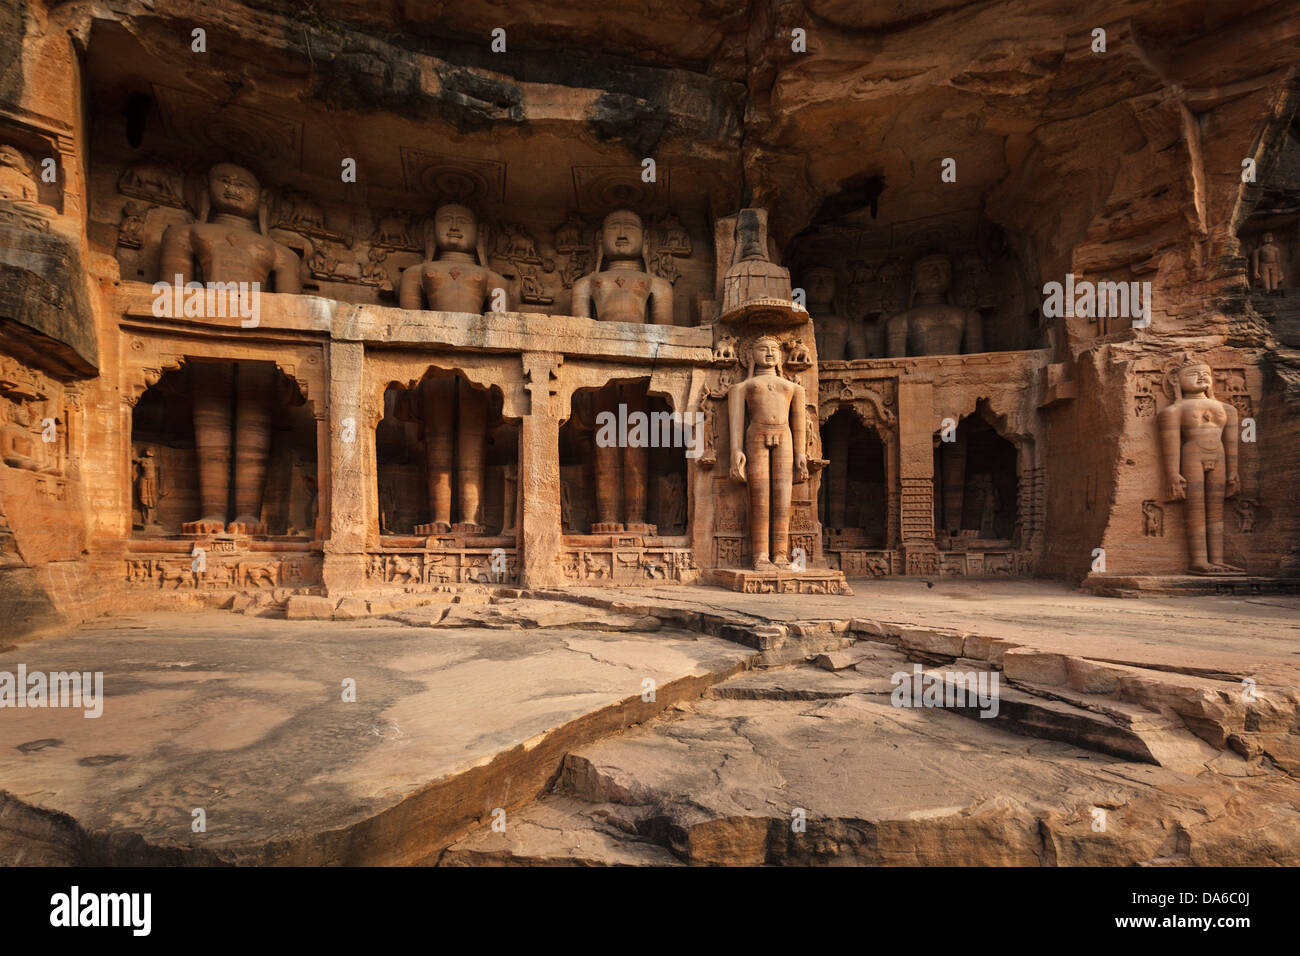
[232,247]
[838,337]
[769,454]
[451,279]
[620,290]
[1198,441]
[1267,263]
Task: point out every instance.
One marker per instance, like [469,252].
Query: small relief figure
[1153,519]
[1266,264]
[299,211]
[724,352]
[770,454]
[152,180]
[373,272]
[321,264]
[148,488]
[130,231]
[394,230]
[1245,509]
[17,183]
[592,567]
[1198,440]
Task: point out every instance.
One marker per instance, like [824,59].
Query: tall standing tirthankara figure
[231,248]
[453,280]
[1198,441]
[768,453]
[621,290]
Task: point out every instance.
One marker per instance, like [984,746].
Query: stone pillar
[916,426]
[353,500]
[541,538]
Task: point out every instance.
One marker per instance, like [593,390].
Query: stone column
[353,500]
[540,537]
[916,426]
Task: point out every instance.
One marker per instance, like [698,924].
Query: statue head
[622,236]
[234,190]
[15,157]
[765,353]
[455,229]
[1189,375]
[932,274]
[1268,238]
[820,285]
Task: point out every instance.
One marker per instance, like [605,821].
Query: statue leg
[837,450]
[1195,517]
[213,384]
[782,491]
[438,395]
[636,470]
[471,443]
[254,398]
[1215,485]
[608,471]
[954,482]
[758,472]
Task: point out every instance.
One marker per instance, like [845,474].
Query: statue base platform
[1136,585]
[782,581]
[772,313]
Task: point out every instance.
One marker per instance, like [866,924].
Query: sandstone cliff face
[836,116]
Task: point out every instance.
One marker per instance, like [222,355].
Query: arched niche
[447,457]
[978,490]
[620,441]
[162,423]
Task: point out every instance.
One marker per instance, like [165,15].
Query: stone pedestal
[812,581]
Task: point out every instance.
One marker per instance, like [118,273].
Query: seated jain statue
[769,453]
[838,337]
[1198,442]
[623,291]
[454,413]
[932,325]
[233,401]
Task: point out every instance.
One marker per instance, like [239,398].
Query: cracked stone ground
[1113,743]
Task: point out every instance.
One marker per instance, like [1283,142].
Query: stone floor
[764,708]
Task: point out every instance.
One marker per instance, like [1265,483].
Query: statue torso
[1201,421]
[620,295]
[227,254]
[935,329]
[453,286]
[767,397]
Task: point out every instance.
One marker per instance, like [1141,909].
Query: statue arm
[799,423]
[896,336]
[177,254]
[1171,452]
[497,281]
[408,296]
[974,332]
[582,298]
[736,419]
[661,301]
[1230,451]
[287,276]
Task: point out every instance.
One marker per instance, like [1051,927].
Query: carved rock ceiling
[709,89]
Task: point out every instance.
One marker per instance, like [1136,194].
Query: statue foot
[781,560]
[433,527]
[246,524]
[1221,568]
[205,526]
[606,527]
[467,527]
[1201,567]
[640,527]
[761,563]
